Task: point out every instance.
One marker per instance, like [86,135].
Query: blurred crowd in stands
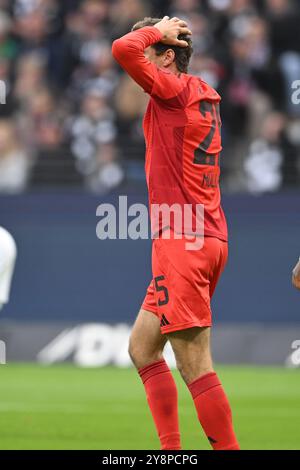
[72,117]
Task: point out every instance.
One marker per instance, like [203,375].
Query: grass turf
[64,407]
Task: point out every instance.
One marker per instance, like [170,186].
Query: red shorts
[184,282]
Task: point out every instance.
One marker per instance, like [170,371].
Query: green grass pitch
[64,407]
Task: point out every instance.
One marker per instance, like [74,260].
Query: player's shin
[162,398]
[214,412]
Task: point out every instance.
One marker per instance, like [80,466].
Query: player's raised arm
[129,53]
[296,275]
[148,66]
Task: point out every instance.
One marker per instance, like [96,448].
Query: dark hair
[182,54]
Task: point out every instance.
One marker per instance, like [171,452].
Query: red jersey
[182,132]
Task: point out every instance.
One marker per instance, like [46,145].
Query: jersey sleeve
[129,53]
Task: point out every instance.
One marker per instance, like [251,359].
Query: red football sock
[161,394]
[214,412]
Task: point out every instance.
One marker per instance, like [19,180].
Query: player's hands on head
[296,275]
[171,29]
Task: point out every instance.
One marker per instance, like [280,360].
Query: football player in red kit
[183,146]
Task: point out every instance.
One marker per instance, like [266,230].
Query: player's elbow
[118,49]
[124,51]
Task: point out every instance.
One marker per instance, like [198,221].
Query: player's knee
[191,370]
[132,351]
[183,370]
[140,356]
[136,353]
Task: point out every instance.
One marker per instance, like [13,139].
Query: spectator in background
[131,103]
[14,163]
[93,135]
[41,126]
[38,28]
[8,46]
[96,71]
[124,13]
[32,28]
[30,79]
[265,159]
[5,76]
[8,53]
[266,165]
[284,21]
[184,8]
[283,17]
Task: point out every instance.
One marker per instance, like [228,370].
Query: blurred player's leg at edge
[8,254]
[296,275]
[182,132]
